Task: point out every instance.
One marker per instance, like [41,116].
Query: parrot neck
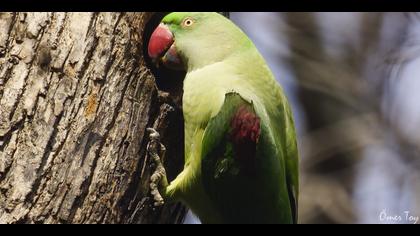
[195,64]
[202,53]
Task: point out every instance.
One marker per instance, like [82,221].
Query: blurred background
[353,80]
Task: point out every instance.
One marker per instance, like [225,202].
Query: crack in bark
[89,56]
[6,138]
[133,191]
[92,23]
[120,16]
[80,199]
[11,27]
[6,170]
[34,109]
[63,24]
[6,77]
[45,156]
[20,95]
[49,168]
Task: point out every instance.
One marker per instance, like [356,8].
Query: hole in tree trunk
[167,80]
[170,81]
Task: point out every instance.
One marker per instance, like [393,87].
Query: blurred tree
[343,65]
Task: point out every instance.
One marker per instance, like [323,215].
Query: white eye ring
[188,22]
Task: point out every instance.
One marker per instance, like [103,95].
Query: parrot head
[190,40]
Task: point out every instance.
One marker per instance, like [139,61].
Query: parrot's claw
[158,178]
[154,135]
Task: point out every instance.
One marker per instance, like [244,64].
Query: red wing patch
[244,135]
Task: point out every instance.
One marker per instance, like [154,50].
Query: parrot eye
[187,22]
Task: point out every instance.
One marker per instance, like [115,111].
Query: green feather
[237,195]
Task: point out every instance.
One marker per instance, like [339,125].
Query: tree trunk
[75,100]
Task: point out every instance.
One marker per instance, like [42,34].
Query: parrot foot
[158,179]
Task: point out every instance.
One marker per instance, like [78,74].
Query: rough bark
[75,100]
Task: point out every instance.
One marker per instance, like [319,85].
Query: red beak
[160,41]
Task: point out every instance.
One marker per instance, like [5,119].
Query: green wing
[242,193]
[292,161]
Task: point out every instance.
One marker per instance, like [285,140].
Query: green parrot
[241,157]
